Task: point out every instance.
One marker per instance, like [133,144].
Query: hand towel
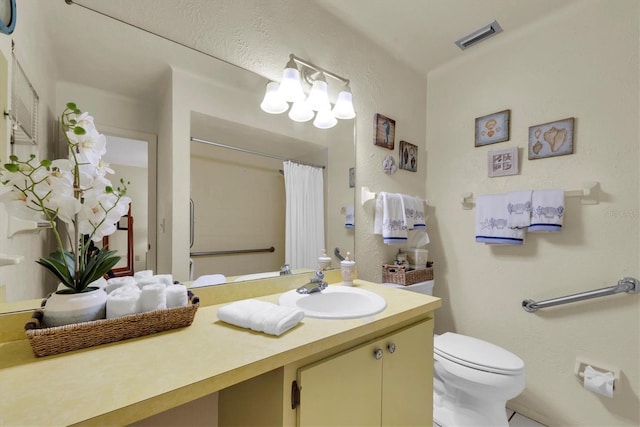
[153,297]
[167,279]
[349,220]
[414,212]
[144,281]
[209,279]
[177,296]
[123,301]
[492,220]
[260,316]
[143,273]
[390,219]
[519,208]
[118,282]
[547,211]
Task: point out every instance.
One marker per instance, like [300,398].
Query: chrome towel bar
[232,252]
[627,284]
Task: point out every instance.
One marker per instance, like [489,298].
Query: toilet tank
[425,288]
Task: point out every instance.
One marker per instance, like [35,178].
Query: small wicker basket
[60,339]
[401,275]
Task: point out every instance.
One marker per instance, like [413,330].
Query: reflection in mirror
[96,71]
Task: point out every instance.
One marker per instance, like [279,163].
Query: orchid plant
[75,191]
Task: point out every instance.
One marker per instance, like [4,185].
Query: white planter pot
[64,309]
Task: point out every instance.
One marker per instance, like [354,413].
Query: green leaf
[58,269]
[72,106]
[12,167]
[78,130]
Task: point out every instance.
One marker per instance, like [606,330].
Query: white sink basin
[335,302]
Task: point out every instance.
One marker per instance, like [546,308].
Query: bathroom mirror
[97,58]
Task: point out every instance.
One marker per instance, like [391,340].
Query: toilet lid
[477,354]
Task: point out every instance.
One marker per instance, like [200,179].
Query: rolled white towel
[177,296]
[117,282]
[260,316]
[167,279]
[123,301]
[144,281]
[100,283]
[144,273]
[153,297]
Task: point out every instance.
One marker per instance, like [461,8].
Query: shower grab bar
[232,252]
[627,284]
[192,209]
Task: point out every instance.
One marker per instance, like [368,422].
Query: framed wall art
[492,128]
[352,177]
[408,156]
[551,139]
[503,162]
[385,131]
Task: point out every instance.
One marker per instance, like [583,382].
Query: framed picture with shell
[492,128]
[551,139]
[408,156]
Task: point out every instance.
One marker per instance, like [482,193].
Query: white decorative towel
[153,297]
[547,210]
[177,296]
[209,279]
[167,279]
[390,219]
[100,283]
[491,222]
[519,208]
[144,281]
[260,316]
[349,220]
[118,282]
[123,301]
[414,212]
[143,273]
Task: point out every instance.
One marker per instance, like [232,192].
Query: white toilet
[473,379]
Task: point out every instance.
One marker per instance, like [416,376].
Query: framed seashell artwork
[493,128]
[503,162]
[384,131]
[551,139]
[408,156]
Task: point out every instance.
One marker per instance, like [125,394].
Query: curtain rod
[257,153]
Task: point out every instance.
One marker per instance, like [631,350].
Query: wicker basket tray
[402,276]
[60,339]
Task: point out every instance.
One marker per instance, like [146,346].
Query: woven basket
[400,275]
[60,339]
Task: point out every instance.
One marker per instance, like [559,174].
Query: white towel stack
[260,316]
[153,297]
[492,222]
[176,296]
[519,208]
[118,282]
[123,301]
[547,211]
[390,219]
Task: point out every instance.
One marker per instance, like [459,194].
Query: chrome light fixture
[290,90]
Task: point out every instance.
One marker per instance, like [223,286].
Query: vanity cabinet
[385,382]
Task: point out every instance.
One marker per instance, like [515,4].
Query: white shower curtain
[304,229]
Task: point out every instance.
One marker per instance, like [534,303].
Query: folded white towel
[167,279]
[123,301]
[519,208]
[100,283]
[350,219]
[413,212]
[209,279]
[118,282]
[547,210]
[144,281]
[153,297]
[491,222]
[390,218]
[144,273]
[177,296]
[260,316]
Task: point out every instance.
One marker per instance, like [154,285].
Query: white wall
[582,62]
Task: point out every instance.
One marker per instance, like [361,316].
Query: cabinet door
[407,390]
[343,390]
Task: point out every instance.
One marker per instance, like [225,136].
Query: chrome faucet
[285,269]
[316,284]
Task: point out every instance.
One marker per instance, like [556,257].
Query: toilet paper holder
[582,363]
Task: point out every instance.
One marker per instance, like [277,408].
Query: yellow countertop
[126,381]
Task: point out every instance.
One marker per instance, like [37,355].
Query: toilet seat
[477,354]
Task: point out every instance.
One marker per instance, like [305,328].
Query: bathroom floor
[516,420]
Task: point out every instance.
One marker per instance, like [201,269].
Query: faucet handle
[285,269]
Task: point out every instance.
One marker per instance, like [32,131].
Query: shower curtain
[304,226]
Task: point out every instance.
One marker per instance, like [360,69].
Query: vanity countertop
[126,381]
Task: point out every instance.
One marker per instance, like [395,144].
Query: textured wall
[555,69]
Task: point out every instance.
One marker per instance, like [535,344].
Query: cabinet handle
[391,347]
[377,353]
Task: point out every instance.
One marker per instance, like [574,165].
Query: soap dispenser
[324,261]
[347,268]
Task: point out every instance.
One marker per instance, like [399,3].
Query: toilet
[472,379]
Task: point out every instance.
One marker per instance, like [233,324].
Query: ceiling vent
[479,35]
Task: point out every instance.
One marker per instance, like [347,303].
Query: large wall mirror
[122,76]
